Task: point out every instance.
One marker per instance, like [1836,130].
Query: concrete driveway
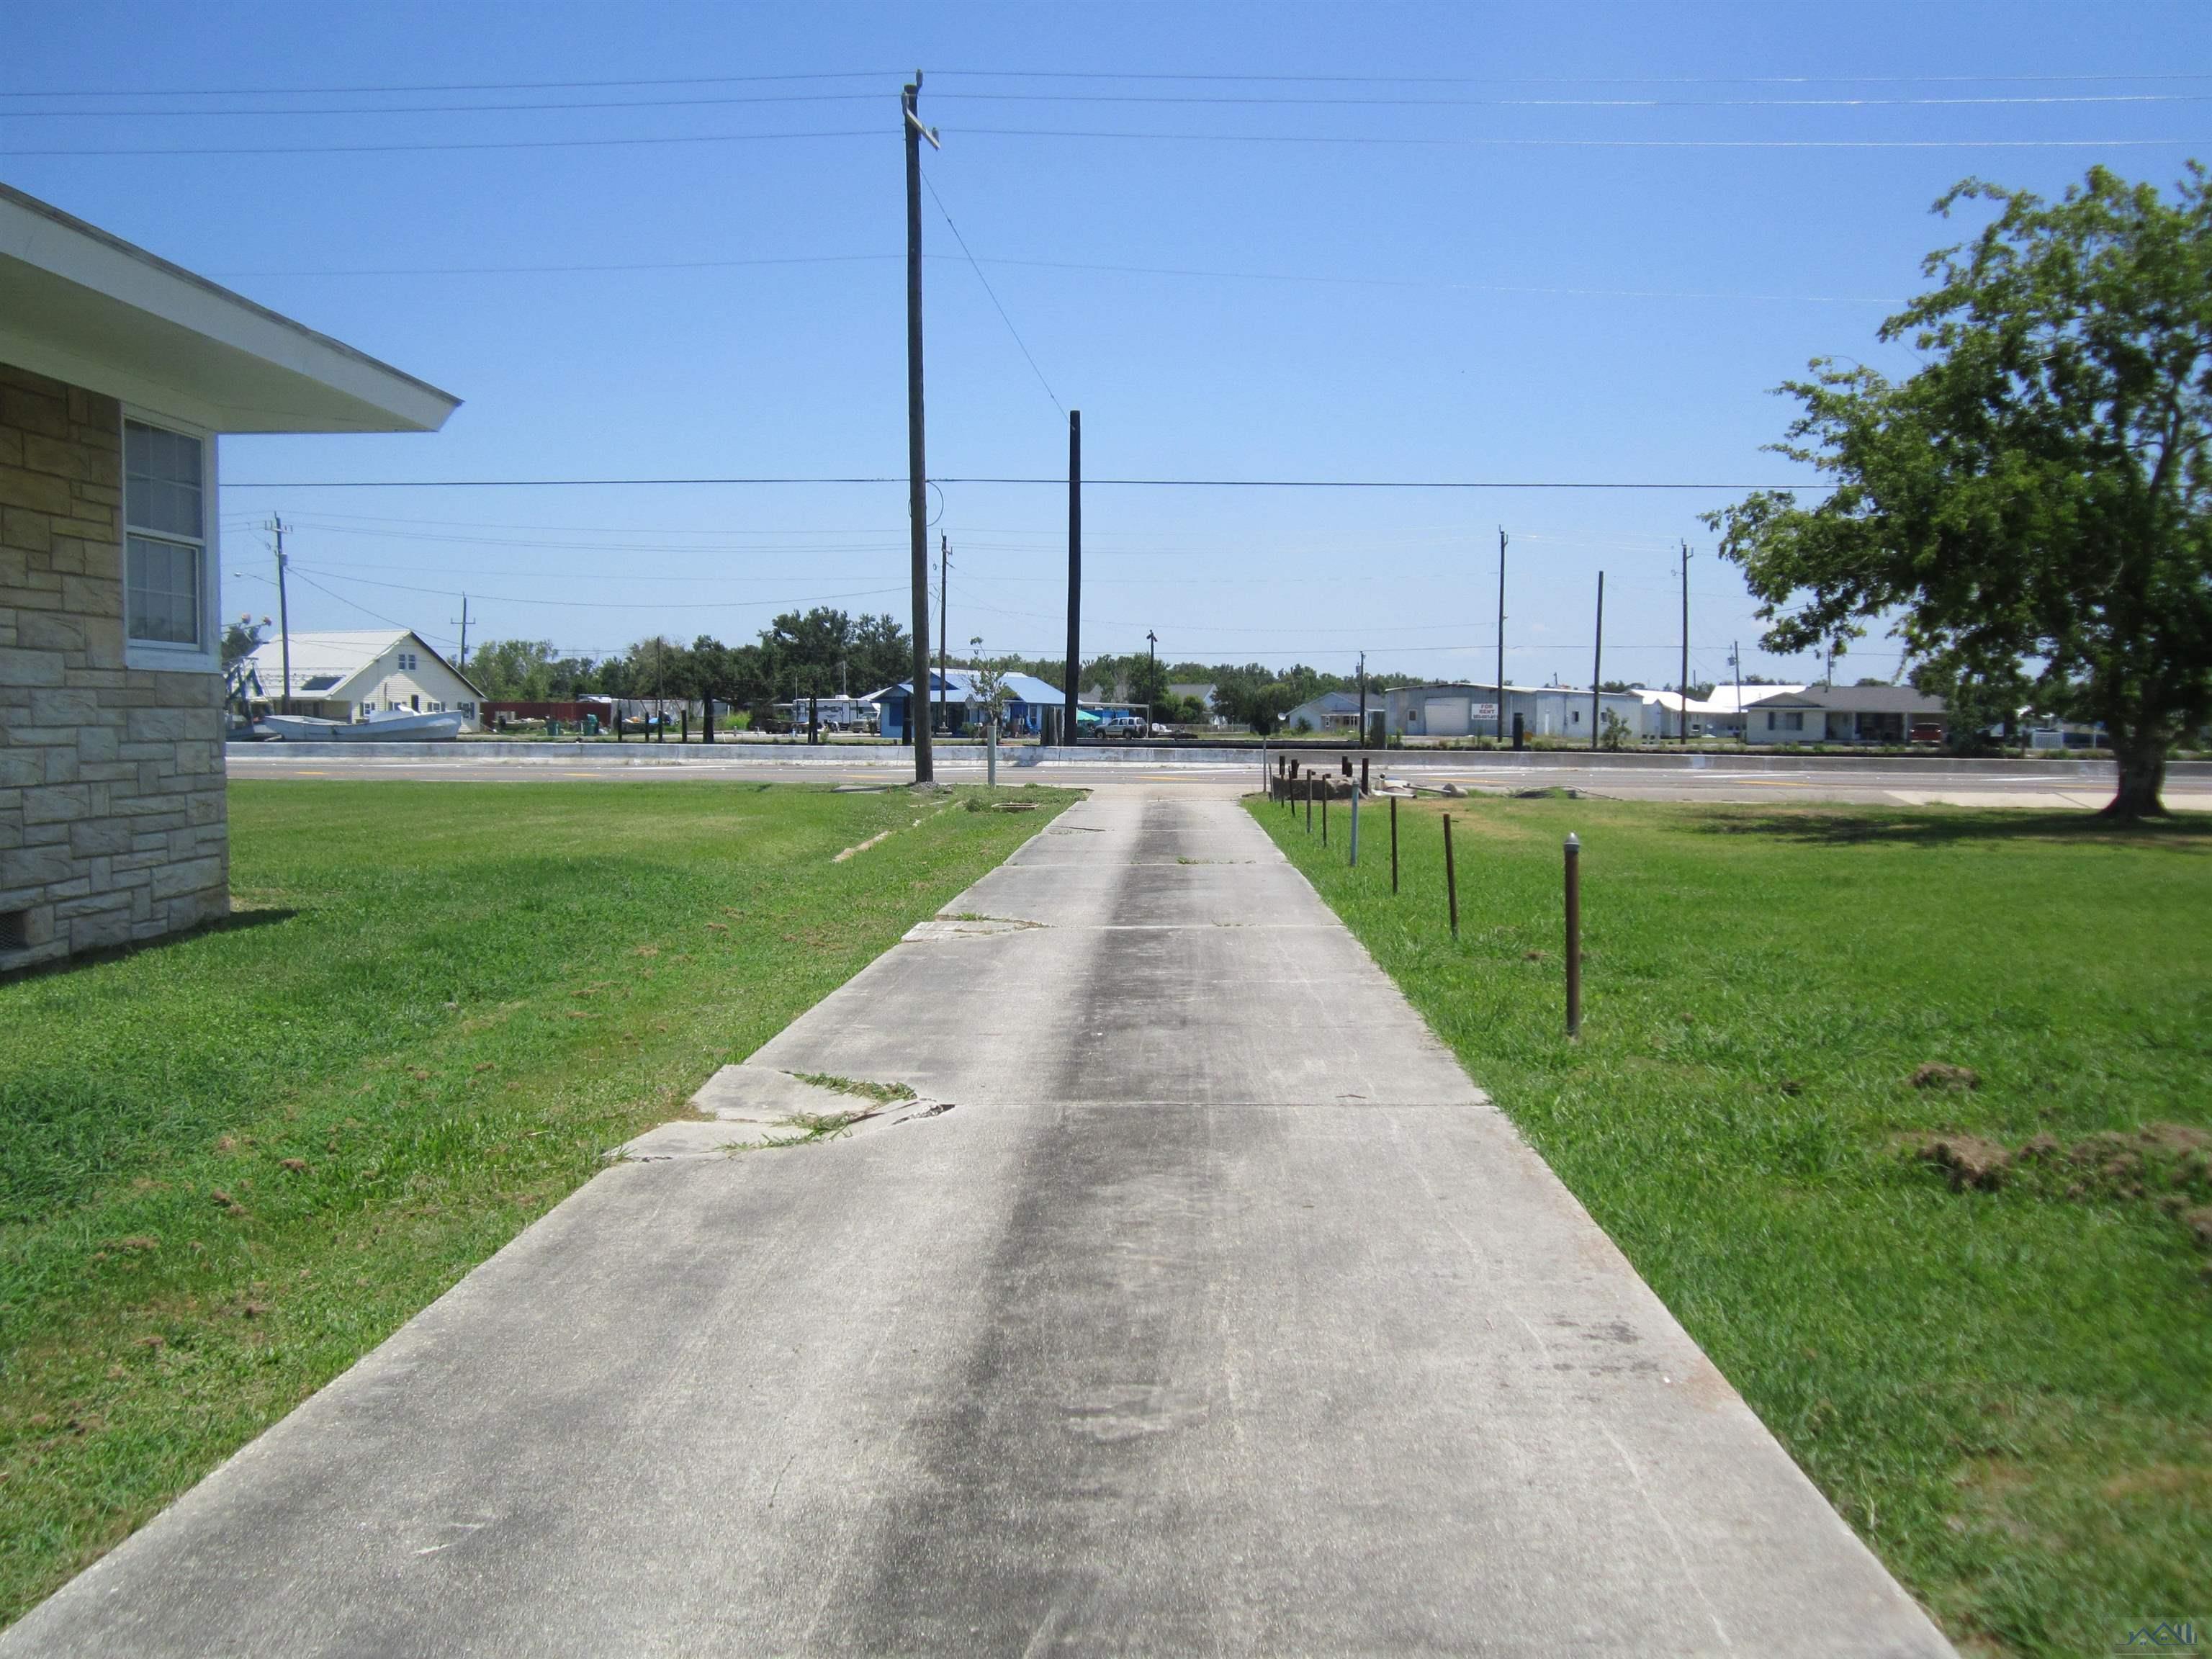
[1220,1312]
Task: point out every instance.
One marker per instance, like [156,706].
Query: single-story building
[118,372]
[1027,698]
[348,674]
[1464,709]
[1847,713]
[1719,715]
[1332,711]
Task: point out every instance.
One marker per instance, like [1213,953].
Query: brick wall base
[113,827]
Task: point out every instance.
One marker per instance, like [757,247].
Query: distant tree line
[814,654]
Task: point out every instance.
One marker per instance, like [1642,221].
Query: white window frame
[206,657]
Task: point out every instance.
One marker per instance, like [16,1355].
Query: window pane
[163,604]
[161,480]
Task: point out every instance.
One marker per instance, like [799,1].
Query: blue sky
[1513,243]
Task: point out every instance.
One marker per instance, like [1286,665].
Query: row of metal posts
[1305,775]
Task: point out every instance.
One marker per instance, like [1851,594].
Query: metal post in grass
[1393,843]
[1324,814]
[1355,826]
[1451,878]
[1308,801]
[1574,851]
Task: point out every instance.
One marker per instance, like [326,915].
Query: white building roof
[89,308]
[326,662]
[1723,701]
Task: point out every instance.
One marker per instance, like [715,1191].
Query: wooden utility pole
[1501,633]
[283,614]
[1597,659]
[1363,723]
[1685,686]
[917,461]
[464,664]
[1074,571]
[943,605]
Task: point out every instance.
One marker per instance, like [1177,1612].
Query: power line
[556,270]
[604,604]
[1452,141]
[988,290]
[566,106]
[1246,101]
[1569,80]
[1072,264]
[1473,141]
[1207,99]
[1061,484]
[455,86]
[1115,75]
[490,144]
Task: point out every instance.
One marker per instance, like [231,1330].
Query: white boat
[394,727]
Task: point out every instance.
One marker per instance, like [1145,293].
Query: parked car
[1122,725]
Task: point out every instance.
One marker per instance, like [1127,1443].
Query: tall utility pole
[463,665]
[1735,661]
[917,460]
[283,613]
[1501,633]
[1685,686]
[1074,568]
[1597,659]
[1362,700]
[943,604]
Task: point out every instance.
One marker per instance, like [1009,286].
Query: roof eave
[87,307]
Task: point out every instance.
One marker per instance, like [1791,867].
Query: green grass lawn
[2008,1393]
[231,1164]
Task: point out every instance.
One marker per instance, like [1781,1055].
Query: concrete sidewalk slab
[1222,1313]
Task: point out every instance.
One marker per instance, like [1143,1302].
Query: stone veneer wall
[111,821]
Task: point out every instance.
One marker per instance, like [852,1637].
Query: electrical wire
[1166,484]
[1181,100]
[1026,354]
[488,143]
[1454,141]
[1179,76]
[604,604]
[455,86]
[1072,264]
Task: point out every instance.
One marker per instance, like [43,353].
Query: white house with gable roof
[348,674]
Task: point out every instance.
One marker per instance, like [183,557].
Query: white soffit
[80,306]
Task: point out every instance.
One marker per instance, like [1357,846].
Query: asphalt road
[1221,1313]
[2026,785]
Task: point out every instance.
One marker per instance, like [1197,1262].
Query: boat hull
[402,728]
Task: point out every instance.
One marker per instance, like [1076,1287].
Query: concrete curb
[892,758]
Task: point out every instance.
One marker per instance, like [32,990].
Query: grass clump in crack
[883,1094]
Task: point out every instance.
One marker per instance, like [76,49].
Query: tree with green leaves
[2030,505]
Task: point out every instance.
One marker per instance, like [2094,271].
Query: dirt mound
[2167,1164]
[1968,1160]
[1937,1075]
